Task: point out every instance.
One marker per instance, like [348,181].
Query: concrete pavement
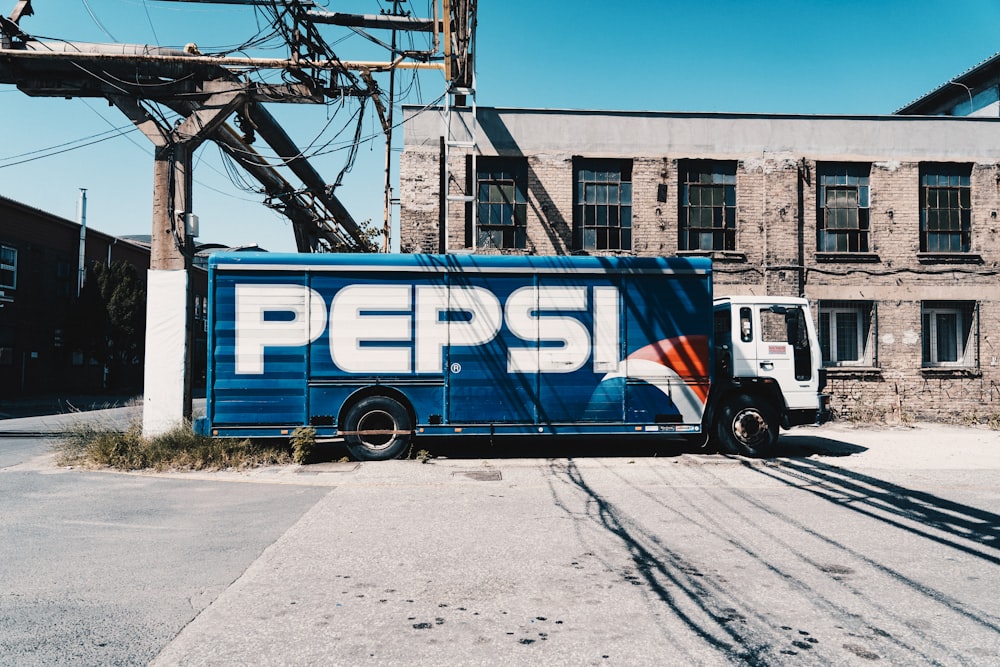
[853,546]
[830,555]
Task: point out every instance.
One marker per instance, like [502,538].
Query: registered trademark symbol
[456,368]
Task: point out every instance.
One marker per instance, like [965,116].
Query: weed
[423,456]
[303,443]
[973,418]
[177,449]
[867,413]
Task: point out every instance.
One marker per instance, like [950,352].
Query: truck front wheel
[747,427]
[377,428]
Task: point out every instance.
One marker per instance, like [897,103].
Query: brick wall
[776,253]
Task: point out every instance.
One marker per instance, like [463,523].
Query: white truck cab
[767,373]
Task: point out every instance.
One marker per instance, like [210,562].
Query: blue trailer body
[467,343]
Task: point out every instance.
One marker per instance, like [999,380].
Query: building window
[603,211]
[846,333]
[6,346]
[843,207]
[8,267]
[64,283]
[945,207]
[708,205]
[502,203]
[949,334]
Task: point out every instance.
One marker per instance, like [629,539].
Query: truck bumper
[825,414]
[818,416]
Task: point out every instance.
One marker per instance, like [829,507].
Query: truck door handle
[767,365]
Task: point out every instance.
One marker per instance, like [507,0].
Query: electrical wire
[100,136]
[131,128]
[60,152]
[149,19]
[97,21]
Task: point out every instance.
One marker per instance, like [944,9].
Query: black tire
[748,427]
[377,428]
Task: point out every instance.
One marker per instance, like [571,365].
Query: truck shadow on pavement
[554,447]
[549,447]
[804,446]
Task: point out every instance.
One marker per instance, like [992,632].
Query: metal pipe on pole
[82,263]
[217,61]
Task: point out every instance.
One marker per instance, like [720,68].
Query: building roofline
[51,217]
[722,115]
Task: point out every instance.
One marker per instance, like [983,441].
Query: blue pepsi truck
[382,350]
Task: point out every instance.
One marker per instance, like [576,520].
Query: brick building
[39,269]
[887,224]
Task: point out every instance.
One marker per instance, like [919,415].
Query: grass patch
[303,444]
[90,446]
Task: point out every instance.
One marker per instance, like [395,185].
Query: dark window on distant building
[8,267]
[843,207]
[6,345]
[603,211]
[708,205]
[502,203]
[64,284]
[945,207]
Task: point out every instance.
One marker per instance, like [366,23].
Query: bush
[177,449]
[303,443]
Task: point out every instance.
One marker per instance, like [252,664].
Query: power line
[69,143]
[39,157]
[97,21]
[152,27]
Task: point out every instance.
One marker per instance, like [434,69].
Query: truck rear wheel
[377,428]
[747,427]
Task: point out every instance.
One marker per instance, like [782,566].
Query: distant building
[887,224]
[975,92]
[39,269]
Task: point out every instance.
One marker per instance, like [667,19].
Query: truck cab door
[743,340]
[782,351]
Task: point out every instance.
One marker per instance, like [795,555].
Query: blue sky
[783,56]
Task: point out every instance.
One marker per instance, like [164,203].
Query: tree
[125,306]
[107,323]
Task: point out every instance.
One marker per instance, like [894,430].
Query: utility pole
[169,299]
[387,226]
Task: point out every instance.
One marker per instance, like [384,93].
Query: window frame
[964,329]
[8,264]
[829,314]
[717,177]
[958,177]
[843,178]
[591,177]
[501,218]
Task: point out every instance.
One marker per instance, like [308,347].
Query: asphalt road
[854,548]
